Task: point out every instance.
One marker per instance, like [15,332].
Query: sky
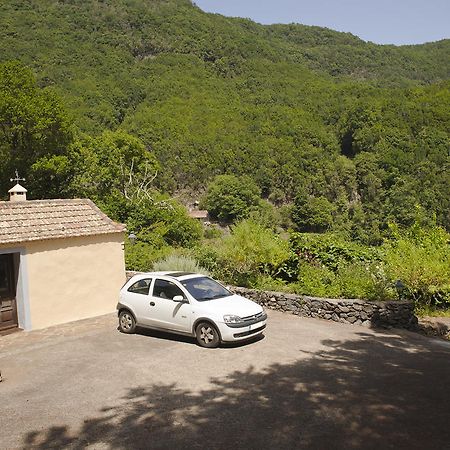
[396,22]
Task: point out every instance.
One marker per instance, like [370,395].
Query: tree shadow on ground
[376,392]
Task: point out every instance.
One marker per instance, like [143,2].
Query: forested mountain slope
[99,50]
[302,110]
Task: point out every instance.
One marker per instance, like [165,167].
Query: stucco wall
[74,278]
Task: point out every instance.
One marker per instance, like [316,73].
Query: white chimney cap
[17,189]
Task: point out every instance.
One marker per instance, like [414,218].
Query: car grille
[249,333]
[254,316]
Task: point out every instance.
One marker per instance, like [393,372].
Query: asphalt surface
[307,384]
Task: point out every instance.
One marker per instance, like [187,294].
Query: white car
[190,304]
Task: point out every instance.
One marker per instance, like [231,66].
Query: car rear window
[141,286]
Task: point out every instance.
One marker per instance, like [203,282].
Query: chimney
[17,193]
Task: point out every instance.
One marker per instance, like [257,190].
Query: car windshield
[204,288]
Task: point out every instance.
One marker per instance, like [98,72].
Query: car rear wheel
[127,322]
[207,335]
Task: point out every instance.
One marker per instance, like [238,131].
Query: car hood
[235,304]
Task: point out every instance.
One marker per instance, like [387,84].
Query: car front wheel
[127,322]
[207,335]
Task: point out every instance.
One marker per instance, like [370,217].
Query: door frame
[22,291]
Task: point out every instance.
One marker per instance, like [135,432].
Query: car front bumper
[240,333]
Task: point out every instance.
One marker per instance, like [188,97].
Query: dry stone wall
[358,312]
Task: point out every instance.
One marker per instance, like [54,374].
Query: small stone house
[60,261]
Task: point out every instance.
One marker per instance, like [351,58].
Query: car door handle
[152,303]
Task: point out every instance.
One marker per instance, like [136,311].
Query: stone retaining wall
[357,312]
[435,326]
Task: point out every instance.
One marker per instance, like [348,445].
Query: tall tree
[33,123]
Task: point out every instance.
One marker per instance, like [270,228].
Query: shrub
[177,262]
[207,256]
[317,281]
[229,198]
[362,281]
[266,215]
[354,281]
[165,218]
[365,282]
[331,250]
[268,283]
[312,214]
[285,213]
[420,260]
[141,255]
[249,251]
[212,232]
[182,230]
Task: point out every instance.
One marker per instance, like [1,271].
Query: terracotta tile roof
[35,220]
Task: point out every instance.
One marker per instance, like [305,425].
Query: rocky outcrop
[435,327]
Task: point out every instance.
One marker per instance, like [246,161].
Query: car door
[166,313]
[138,299]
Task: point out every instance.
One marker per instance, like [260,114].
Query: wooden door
[8,305]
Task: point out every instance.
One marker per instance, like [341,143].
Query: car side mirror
[179,299]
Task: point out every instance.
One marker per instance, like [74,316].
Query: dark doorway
[8,304]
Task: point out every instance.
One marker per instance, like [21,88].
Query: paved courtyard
[307,384]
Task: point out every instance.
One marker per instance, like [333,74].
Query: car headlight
[232,319]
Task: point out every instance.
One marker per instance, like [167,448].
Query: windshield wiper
[216,297]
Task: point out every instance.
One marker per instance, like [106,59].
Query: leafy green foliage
[317,281]
[340,136]
[112,169]
[327,265]
[345,54]
[360,130]
[420,259]
[165,218]
[330,250]
[141,255]
[311,214]
[34,126]
[182,263]
[249,251]
[229,198]
[357,280]
[367,281]
[267,215]
[160,225]
[254,247]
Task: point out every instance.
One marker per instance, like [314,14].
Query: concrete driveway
[307,384]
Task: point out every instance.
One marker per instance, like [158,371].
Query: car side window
[166,289]
[141,286]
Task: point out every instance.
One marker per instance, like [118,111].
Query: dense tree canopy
[230,198]
[357,132]
[33,123]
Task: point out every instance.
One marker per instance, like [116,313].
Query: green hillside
[357,128]
[98,54]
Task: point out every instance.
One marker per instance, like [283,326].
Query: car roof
[177,275]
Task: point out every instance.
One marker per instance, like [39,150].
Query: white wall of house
[63,280]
